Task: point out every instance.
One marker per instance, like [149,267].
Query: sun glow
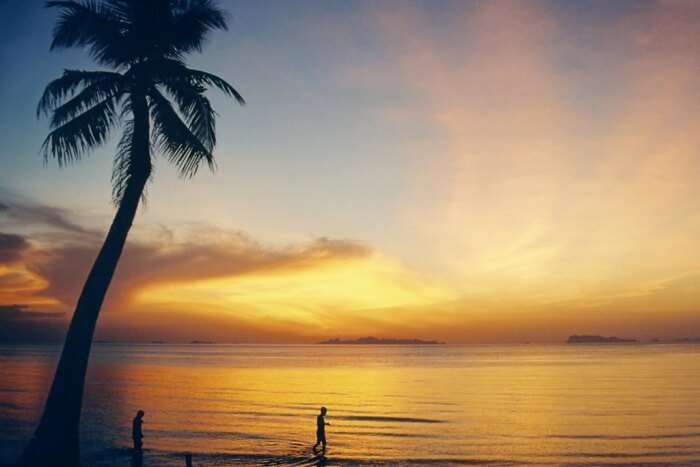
[304,295]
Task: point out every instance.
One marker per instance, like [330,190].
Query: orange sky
[489,172]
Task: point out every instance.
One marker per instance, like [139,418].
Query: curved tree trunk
[56,439]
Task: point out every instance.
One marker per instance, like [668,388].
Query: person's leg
[136,458]
[318,441]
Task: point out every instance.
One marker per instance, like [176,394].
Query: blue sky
[299,160]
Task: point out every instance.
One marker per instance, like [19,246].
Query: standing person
[321,429]
[136,431]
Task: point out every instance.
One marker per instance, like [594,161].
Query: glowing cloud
[310,295]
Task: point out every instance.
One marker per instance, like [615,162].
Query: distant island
[687,340]
[380,341]
[592,339]
[202,342]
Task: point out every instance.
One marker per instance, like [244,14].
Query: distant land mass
[380,341]
[687,340]
[589,339]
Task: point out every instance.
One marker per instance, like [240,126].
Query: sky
[470,171]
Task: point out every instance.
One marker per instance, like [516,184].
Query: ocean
[549,405]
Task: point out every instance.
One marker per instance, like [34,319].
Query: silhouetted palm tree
[143,42]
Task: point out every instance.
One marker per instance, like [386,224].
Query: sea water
[559,405]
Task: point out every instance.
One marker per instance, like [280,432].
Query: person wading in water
[136,432]
[321,429]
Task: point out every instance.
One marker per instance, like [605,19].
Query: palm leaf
[122,168]
[170,71]
[204,78]
[174,139]
[88,97]
[197,110]
[65,86]
[69,141]
[91,24]
[191,21]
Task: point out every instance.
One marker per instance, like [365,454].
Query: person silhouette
[321,429]
[136,431]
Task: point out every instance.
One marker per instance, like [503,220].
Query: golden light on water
[541,405]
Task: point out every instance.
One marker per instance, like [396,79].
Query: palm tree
[162,107]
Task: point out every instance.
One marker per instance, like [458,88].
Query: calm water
[442,405]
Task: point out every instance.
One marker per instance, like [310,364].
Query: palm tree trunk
[56,439]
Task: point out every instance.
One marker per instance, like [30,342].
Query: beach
[387,405]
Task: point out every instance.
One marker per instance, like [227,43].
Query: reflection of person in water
[321,429]
[136,432]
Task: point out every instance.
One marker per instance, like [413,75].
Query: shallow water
[387,405]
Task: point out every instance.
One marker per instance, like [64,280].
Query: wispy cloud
[566,160]
[11,247]
[17,210]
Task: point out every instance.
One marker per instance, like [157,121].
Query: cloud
[206,252]
[15,209]
[203,255]
[307,300]
[17,312]
[19,323]
[11,247]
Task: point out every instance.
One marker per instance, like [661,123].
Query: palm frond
[204,78]
[88,97]
[91,24]
[128,161]
[174,139]
[69,141]
[119,9]
[64,87]
[171,71]
[122,168]
[191,21]
[197,111]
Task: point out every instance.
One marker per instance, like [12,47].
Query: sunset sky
[471,171]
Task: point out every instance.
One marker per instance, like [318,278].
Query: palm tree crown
[144,43]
